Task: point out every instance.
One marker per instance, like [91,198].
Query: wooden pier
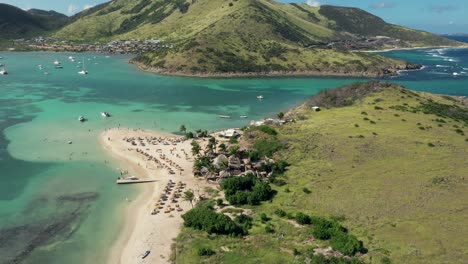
[131,181]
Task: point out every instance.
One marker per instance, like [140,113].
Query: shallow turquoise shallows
[59,202]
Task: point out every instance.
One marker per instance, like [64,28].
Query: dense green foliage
[246,190]
[17,23]
[330,230]
[206,219]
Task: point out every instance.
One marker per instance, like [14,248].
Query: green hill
[17,23]
[387,163]
[245,36]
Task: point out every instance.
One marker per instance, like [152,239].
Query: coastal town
[130,46]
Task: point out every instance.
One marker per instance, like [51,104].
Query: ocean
[59,202]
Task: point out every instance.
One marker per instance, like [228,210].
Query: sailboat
[83,71]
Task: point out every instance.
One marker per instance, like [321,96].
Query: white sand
[144,231]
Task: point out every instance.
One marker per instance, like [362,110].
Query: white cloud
[72,9]
[314,3]
[88,6]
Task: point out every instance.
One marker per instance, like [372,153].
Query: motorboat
[46,73]
[71,58]
[456,74]
[2,65]
[58,66]
[56,62]
[3,72]
[81,119]
[260,97]
[224,116]
[243,116]
[105,114]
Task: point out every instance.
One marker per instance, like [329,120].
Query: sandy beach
[152,222]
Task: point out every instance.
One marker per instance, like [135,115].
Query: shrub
[219,202]
[264,217]
[430,145]
[305,190]
[346,244]
[246,190]
[378,108]
[266,147]
[280,212]
[244,220]
[269,229]
[205,252]
[303,219]
[205,219]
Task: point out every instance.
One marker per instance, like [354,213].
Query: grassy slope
[403,198]
[230,36]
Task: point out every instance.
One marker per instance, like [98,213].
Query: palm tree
[195,148]
[280,115]
[183,129]
[189,196]
[222,148]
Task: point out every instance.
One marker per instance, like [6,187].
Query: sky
[438,16]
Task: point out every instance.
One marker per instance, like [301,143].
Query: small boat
[81,119]
[146,254]
[260,97]
[243,116]
[224,116]
[58,66]
[70,142]
[2,65]
[83,71]
[456,74]
[1,57]
[40,66]
[105,114]
[56,62]
[46,73]
[71,58]
[3,72]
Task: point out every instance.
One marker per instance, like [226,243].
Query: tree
[195,148]
[280,115]
[222,148]
[233,150]
[189,196]
[183,129]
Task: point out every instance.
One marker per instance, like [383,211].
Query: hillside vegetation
[17,23]
[379,164]
[245,36]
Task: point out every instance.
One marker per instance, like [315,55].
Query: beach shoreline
[143,231]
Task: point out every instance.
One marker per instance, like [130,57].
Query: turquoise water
[58,202]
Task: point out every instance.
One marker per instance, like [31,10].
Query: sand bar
[165,158]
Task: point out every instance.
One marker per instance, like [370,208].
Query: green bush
[205,252]
[264,217]
[280,212]
[303,219]
[266,129]
[205,219]
[219,202]
[245,221]
[346,244]
[246,190]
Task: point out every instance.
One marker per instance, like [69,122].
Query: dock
[130,181]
